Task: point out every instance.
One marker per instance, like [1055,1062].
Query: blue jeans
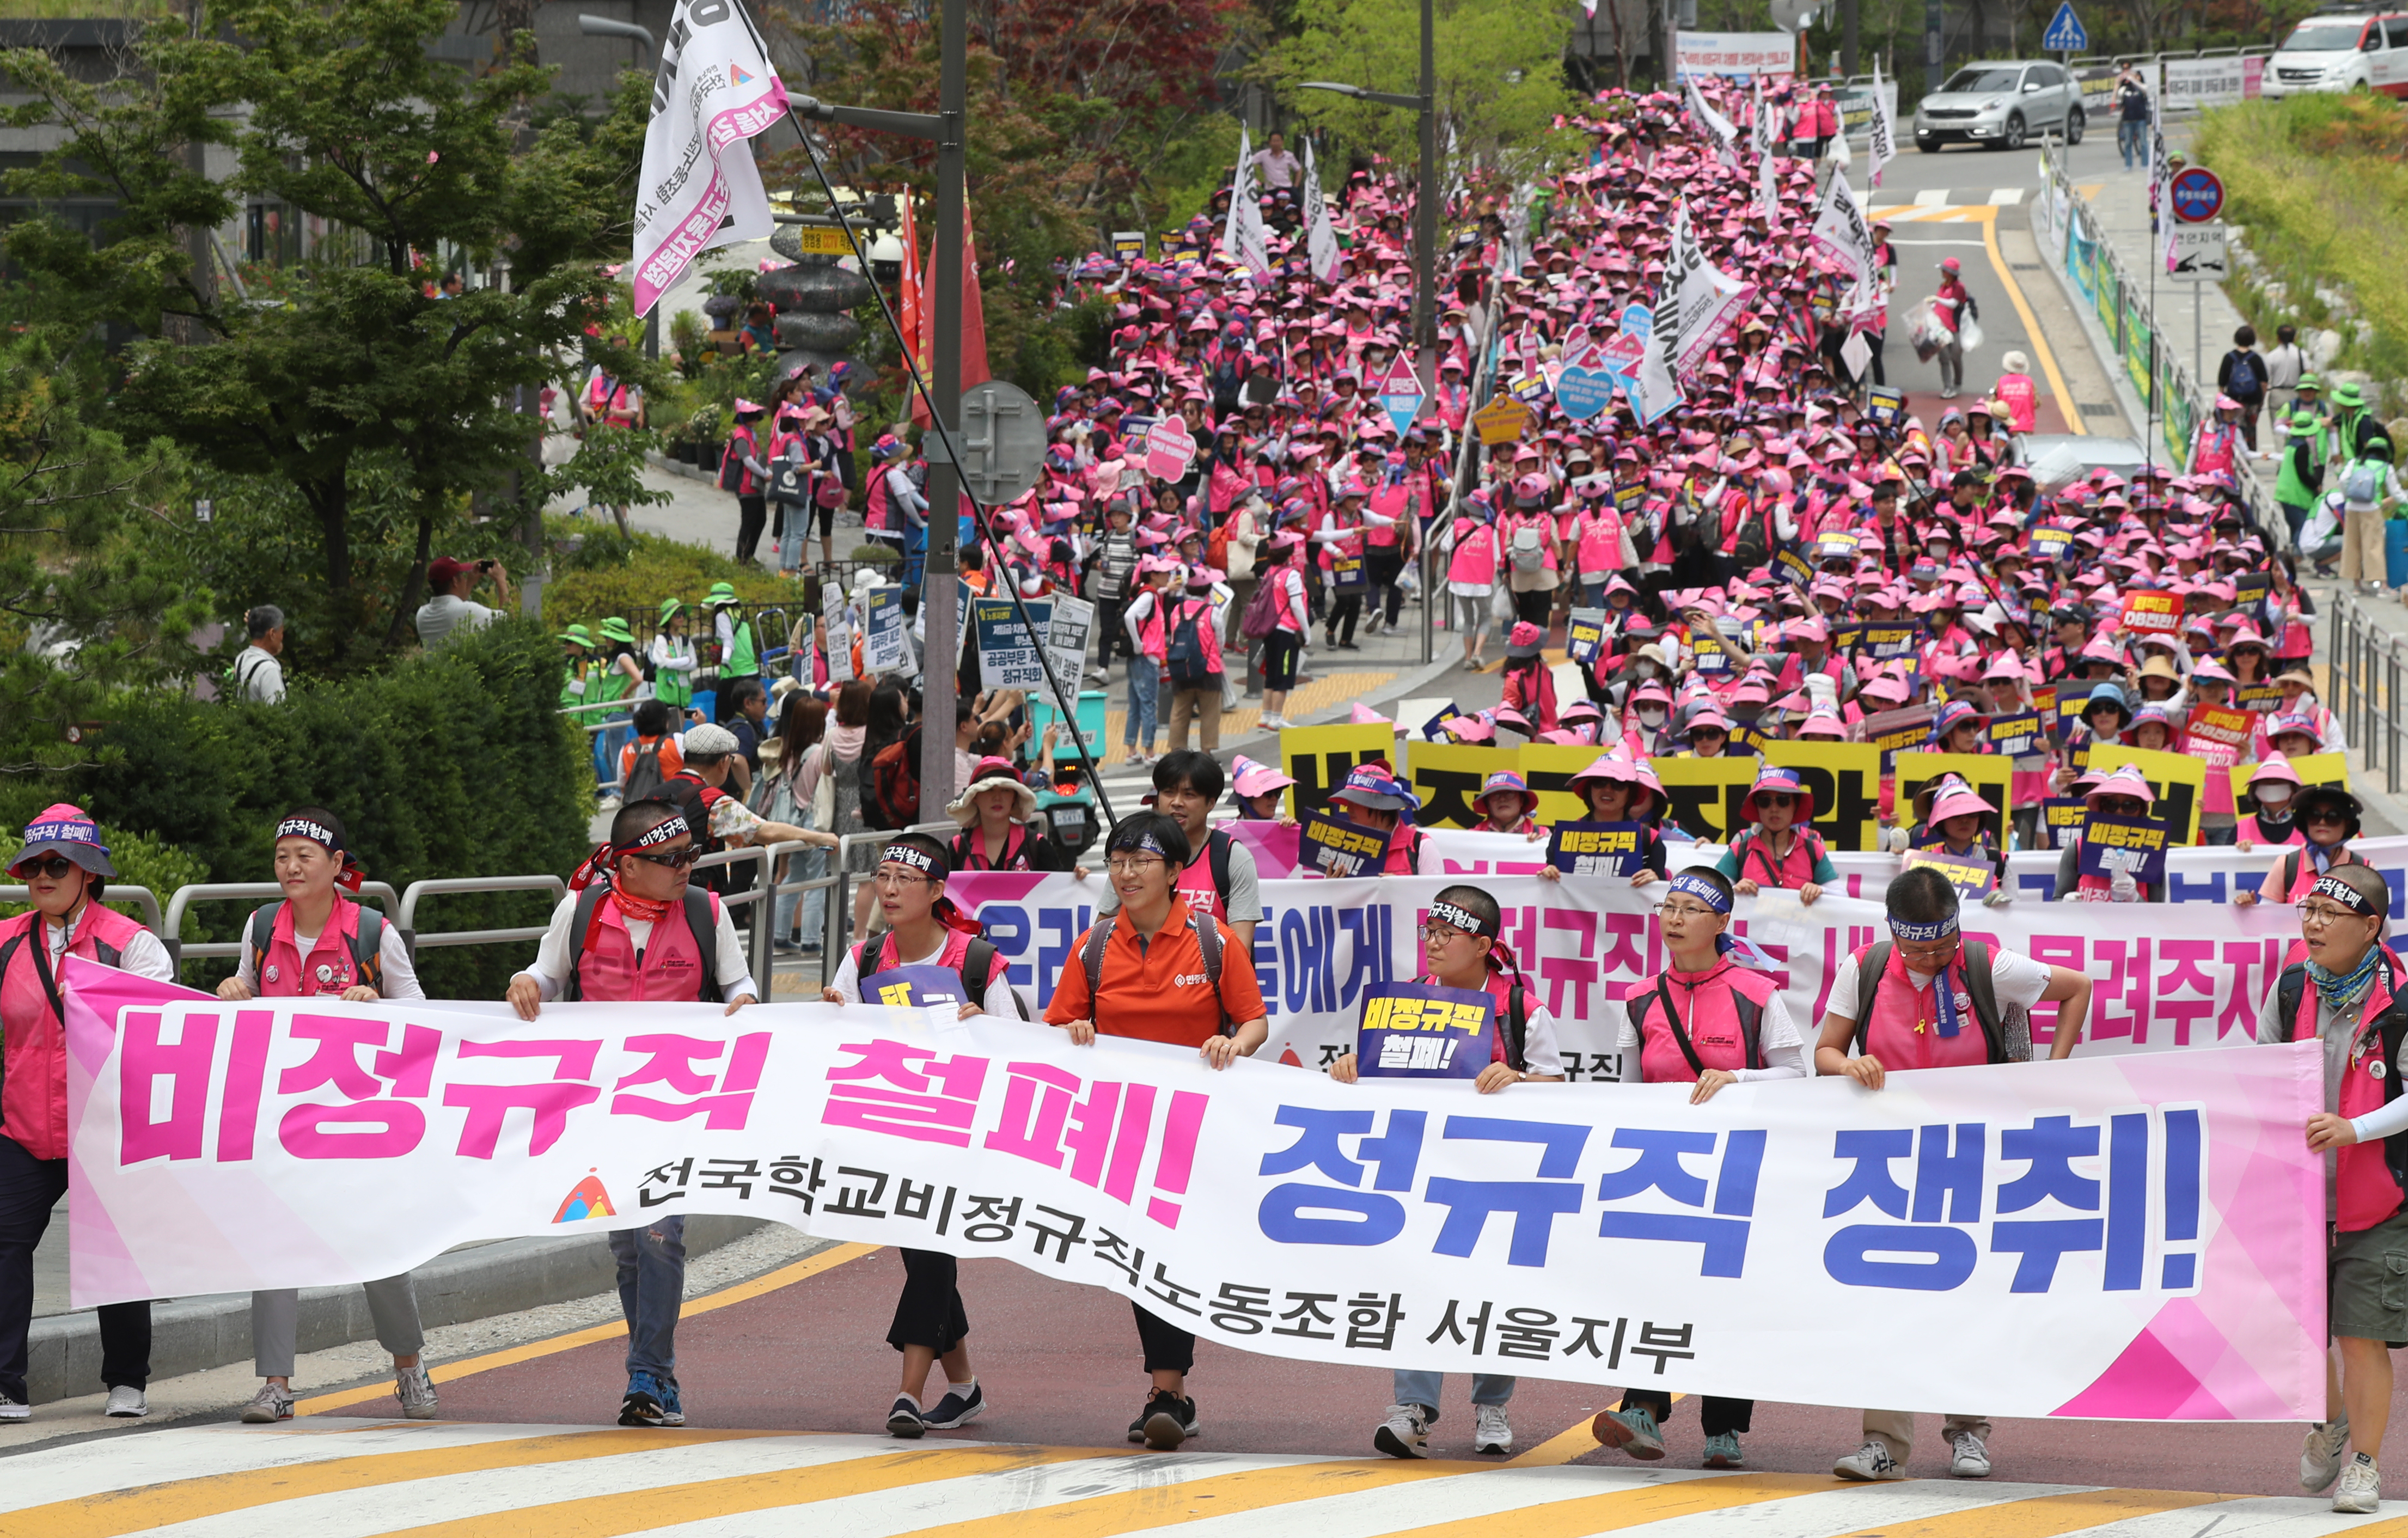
[652,1290]
[2132,140]
[1415,1387]
[607,741]
[1145,686]
[803,865]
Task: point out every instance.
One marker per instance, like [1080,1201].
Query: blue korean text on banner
[2016,735]
[1010,657]
[1597,849]
[1334,847]
[2137,844]
[883,650]
[1417,1031]
[914,986]
[1971,875]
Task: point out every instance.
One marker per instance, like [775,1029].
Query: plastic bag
[1969,334]
[1924,332]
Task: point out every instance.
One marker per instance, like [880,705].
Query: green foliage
[2321,186]
[629,575]
[141,860]
[1179,183]
[455,763]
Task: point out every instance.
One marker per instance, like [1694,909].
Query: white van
[2341,51]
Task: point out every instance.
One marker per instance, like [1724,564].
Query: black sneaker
[955,1411]
[904,1420]
[640,1409]
[1168,1421]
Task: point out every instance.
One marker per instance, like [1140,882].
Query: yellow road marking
[1568,1443]
[1193,1500]
[827,1259]
[604,1516]
[184,1500]
[1629,1506]
[2042,1515]
[2071,411]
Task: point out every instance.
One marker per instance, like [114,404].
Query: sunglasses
[673,859]
[55,866]
[1773,797]
[2322,815]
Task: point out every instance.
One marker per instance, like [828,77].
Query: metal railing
[442,887]
[147,899]
[2362,670]
[253,892]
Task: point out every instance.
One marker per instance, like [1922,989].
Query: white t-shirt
[557,954]
[446,612]
[400,977]
[143,955]
[1783,1049]
[999,1000]
[258,676]
[2014,979]
[1540,1054]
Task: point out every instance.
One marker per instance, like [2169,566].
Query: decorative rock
[819,290]
[817,333]
[2321,346]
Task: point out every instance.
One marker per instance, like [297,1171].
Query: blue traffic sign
[2065,34]
[2196,193]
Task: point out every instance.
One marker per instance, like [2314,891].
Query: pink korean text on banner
[715,92]
[2155,1219]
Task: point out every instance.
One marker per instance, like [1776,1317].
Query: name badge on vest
[270,973]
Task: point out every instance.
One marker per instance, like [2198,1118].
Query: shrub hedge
[454,762]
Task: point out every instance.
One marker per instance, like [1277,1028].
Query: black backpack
[1754,544]
[977,971]
[1185,657]
[644,777]
[2004,1046]
[698,920]
[368,942]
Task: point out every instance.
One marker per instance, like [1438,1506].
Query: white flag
[1705,300]
[1768,181]
[1880,142]
[1244,242]
[2162,199]
[1841,232]
[716,89]
[1320,240]
[1652,390]
[1713,125]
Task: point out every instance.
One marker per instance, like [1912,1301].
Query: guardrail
[255,892]
[2362,672]
[449,885]
[115,893]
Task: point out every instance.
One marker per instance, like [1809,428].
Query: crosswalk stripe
[1931,197]
[2007,197]
[2256,1516]
[182,1500]
[2043,1516]
[1142,1510]
[1581,1511]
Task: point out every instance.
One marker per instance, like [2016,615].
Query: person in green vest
[673,658]
[2355,424]
[739,654]
[2311,400]
[616,676]
[576,663]
[2301,474]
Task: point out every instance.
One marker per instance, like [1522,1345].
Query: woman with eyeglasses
[319,942]
[2328,815]
[65,867]
[1159,971]
[634,929]
[2345,987]
[1927,997]
[923,929]
[1706,1021]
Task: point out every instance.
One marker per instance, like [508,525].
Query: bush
[455,763]
[629,575]
[141,860]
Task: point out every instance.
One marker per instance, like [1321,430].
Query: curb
[192,1335]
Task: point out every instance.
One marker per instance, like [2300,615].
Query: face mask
[1648,669]
[2274,796]
[1650,717]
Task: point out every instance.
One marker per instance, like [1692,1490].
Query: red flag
[973,364]
[912,317]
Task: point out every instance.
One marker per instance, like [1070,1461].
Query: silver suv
[2000,104]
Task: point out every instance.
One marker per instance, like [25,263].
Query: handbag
[790,482]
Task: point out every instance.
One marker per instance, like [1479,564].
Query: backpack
[236,680]
[1528,550]
[698,919]
[1207,939]
[1262,609]
[644,777]
[2241,378]
[978,964]
[1516,1028]
[367,941]
[1185,659]
[1754,542]
[2361,483]
[2008,1035]
[890,783]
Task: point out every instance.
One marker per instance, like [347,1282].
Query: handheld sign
[2016,736]
[2252,587]
[2262,698]
[2314,768]
[1707,654]
[2178,781]
[1169,448]
[1837,547]
[1334,847]
[1844,780]
[2061,818]
[1346,572]
[1883,642]
[1793,566]
[2137,844]
[1596,849]
[1886,404]
[1401,394]
[1584,634]
[2153,613]
[1971,875]
[1008,656]
[914,986]
[1417,1031]
[2050,544]
[1501,421]
[2217,734]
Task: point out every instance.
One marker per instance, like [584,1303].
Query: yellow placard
[1501,421]
[2179,782]
[1990,774]
[1705,793]
[2314,768]
[1320,757]
[1844,779]
[1549,767]
[1447,776]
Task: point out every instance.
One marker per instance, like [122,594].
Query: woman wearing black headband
[315,943]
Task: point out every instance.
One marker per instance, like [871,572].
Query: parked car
[2341,51]
[2000,104]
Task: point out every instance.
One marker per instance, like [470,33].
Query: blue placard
[2016,736]
[1346,572]
[1598,849]
[912,987]
[1334,847]
[1584,634]
[1583,392]
[1418,1030]
[1897,638]
[2137,844]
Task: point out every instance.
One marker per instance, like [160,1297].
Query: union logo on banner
[586,1200]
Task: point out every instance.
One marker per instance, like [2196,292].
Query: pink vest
[1194,884]
[1152,633]
[33,1096]
[669,971]
[1900,1008]
[874,509]
[881,954]
[1207,633]
[2256,830]
[1600,543]
[1710,1013]
[1404,850]
[2364,1190]
[1285,613]
[1475,555]
[2303,877]
[284,973]
[1791,871]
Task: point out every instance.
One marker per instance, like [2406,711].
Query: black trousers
[929,1312]
[1168,1347]
[1346,607]
[1714,1415]
[1385,563]
[1114,636]
[29,1189]
[752,517]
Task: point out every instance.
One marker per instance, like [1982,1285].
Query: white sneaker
[1971,1459]
[1273,722]
[127,1402]
[11,1410]
[1405,1433]
[1869,1463]
[2322,1455]
[415,1390]
[271,1404]
[1491,1432]
[2361,1487]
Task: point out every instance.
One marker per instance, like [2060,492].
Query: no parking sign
[2198,194]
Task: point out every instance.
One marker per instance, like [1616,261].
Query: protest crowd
[1705,532]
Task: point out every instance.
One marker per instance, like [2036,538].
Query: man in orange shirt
[1159,971]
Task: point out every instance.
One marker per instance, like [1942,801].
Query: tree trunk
[405,615]
[510,18]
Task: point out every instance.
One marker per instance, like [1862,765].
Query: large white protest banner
[699,190]
[2153,1221]
[1705,299]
